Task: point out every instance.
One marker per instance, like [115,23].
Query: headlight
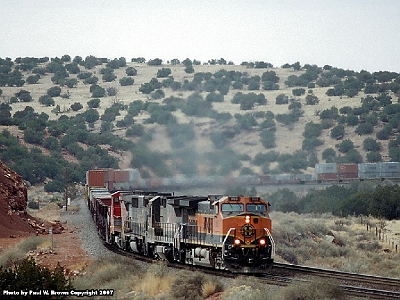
[236,242]
[262,242]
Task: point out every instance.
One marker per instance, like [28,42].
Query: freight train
[221,232]
[323,173]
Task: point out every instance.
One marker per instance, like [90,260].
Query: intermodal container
[347,171]
[368,168]
[95,178]
[108,175]
[368,175]
[347,168]
[264,179]
[390,175]
[327,176]
[328,168]
[304,177]
[121,176]
[389,167]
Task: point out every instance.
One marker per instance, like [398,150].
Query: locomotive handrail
[223,243]
[271,239]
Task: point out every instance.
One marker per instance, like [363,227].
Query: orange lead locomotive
[248,245]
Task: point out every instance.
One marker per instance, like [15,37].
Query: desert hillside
[355,99]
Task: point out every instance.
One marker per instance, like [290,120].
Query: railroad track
[358,285]
[361,285]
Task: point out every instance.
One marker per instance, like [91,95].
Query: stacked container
[96,178]
[326,171]
[347,171]
[390,169]
[369,171]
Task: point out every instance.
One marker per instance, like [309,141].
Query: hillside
[217,135]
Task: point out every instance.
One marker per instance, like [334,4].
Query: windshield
[256,207]
[228,207]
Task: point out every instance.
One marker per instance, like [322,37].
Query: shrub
[352,120]
[91,80]
[188,286]
[306,290]
[108,77]
[46,100]
[312,130]
[33,205]
[332,113]
[111,91]
[364,128]
[126,81]
[33,79]
[337,132]
[52,144]
[345,146]
[328,153]
[240,292]
[281,99]
[353,156]
[298,92]
[54,91]
[164,72]
[371,145]
[157,94]
[131,71]
[84,75]
[76,106]
[98,91]
[287,254]
[327,123]
[267,139]
[214,97]
[219,139]
[72,82]
[262,158]
[311,143]
[94,103]
[312,100]
[373,157]
[135,130]
[24,96]
[54,186]
[29,274]
[369,246]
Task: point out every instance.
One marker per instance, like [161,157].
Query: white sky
[349,34]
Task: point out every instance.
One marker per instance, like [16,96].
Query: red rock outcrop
[13,200]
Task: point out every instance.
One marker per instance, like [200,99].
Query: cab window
[256,207]
[232,207]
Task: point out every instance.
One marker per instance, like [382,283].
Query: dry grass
[306,239]
[50,211]
[157,280]
[326,289]
[211,287]
[17,253]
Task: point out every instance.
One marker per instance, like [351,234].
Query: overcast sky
[349,34]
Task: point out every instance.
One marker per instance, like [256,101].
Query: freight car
[222,232]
